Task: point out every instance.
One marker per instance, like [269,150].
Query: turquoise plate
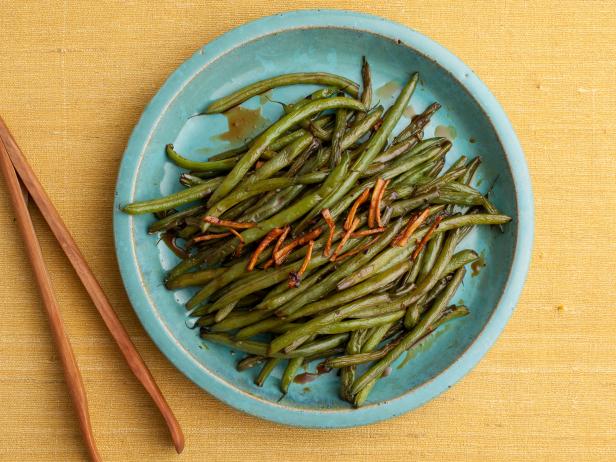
[331,41]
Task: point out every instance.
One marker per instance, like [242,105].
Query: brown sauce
[242,124]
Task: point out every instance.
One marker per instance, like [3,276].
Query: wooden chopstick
[89,281]
[63,345]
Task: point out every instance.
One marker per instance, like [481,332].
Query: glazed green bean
[417,123]
[442,180]
[258,188]
[282,159]
[410,338]
[338,299]
[396,150]
[268,324]
[471,168]
[347,374]
[362,323]
[260,348]
[267,369]
[274,131]
[374,146]
[289,373]
[262,281]
[175,219]
[346,268]
[433,249]
[173,200]
[249,362]
[194,279]
[338,134]
[411,276]
[278,299]
[366,93]
[207,166]
[318,78]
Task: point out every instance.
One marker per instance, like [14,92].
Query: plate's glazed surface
[331,41]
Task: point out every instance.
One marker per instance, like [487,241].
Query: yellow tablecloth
[76,76]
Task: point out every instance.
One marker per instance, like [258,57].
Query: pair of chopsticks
[15,167]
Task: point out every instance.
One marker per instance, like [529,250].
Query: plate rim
[518,270]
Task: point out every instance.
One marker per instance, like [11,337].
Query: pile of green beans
[319,177]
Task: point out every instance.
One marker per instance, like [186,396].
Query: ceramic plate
[331,41]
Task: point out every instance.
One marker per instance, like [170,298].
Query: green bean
[175,219]
[360,358]
[194,279]
[207,166]
[456,198]
[351,136]
[459,162]
[471,168]
[366,94]
[424,325]
[451,313]
[224,311]
[411,275]
[350,295]
[362,323]
[338,134]
[238,320]
[417,123]
[267,279]
[437,270]
[396,150]
[247,192]
[410,178]
[416,309]
[374,146]
[284,158]
[249,362]
[269,324]
[395,254]
[278,299]
[173,200]
[229,153]
[289,373]
[267,369]
[339,313]
[346,268]
[433,249]
[318,78]
[285,140]
[260,348]
[455,187]
[274,131]
[434,171]
[459,259]
[238,210]
[362,395]
[323,153]
[288,215]
[258,188]
[276,203]
[376,335]
[442,180]
[189,180]
[238,270]
[490,208]
[347,374]
[404,164]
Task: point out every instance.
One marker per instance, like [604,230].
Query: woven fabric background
[76,76]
